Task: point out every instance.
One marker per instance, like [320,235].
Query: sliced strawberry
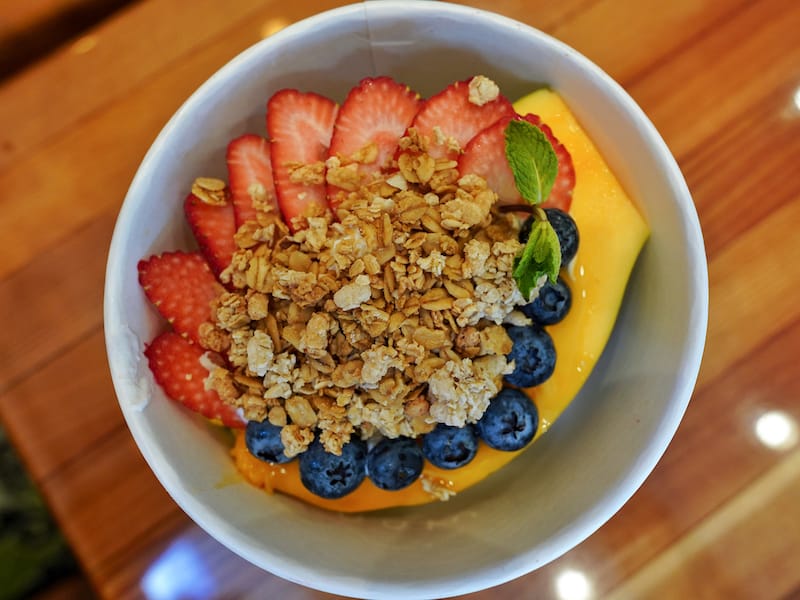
[457,118]
[181,286]
[485,155]
[213,228]
[176,367]
[377,111]
[249,175]
[300,127]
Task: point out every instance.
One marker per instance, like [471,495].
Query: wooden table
[719,517]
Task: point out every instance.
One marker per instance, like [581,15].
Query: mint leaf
[540,257]
[534,163]
[532,160]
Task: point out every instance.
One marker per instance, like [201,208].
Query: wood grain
[63,409]
[109,62]
[642,37]
[30,30]
[132,501]
[728,211]
[38,330]
[745,58]
[717,518]
[740,322]
[763,518]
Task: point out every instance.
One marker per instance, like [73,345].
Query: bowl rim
[606,506]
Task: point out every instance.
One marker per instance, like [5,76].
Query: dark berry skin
[331,476]
[263,440]
[551,305]
[393,464]
[510,422]
[565,228]
[533,353]
[567,232]
[525,230]
[450,447]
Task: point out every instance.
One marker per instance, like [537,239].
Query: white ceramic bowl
[572,480]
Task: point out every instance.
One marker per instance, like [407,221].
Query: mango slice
[598,278]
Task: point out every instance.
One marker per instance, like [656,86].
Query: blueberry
[394,464]
[510,422]
[331,476]
[264,441]
[525,230]
[533,353]
[567,232]
[450,447]
[551,305]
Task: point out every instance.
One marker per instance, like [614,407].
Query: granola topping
[210,190]
[482,90]
[385,319]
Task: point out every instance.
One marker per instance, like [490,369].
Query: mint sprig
[540,257]
[534,163]
[532,159]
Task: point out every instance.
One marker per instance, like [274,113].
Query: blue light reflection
[178,574]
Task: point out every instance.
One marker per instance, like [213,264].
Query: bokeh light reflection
[84,44]
[573,585]
[178,574]
[777,430]
[273,25]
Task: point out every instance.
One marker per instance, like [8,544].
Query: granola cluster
[387,319]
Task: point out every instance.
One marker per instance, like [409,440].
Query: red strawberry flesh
[485,155]
[213,228]
[181,286]
[457,118]
[300,126]
[250,174]
[377,111]
[175,363]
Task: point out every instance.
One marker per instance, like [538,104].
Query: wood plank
[701,565]
[58,413]
[54,300]
[21,15]
[642,35]
[223,573]
[541,14]
[748,310]
[738,153]
[107,499]
[116,57]
[690,97]
[29,30]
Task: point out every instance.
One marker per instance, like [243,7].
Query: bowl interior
[569,482]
